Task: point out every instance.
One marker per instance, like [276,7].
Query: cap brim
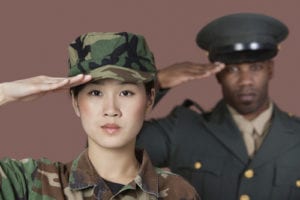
[233,56]
[121,73]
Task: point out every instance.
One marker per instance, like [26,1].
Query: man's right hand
[179,73]
[32,88]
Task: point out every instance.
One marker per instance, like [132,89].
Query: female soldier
[111,99]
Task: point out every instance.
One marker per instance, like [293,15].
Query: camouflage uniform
[42,179]
[122,56]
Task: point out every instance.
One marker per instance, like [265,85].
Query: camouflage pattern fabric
[122,56]
[41,179]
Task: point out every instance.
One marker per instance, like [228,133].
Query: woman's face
[112,112]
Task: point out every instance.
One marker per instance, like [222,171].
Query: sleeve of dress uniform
[15,178]
[159,95]
[156,138]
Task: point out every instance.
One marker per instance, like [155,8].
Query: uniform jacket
[42,179]
[208,150]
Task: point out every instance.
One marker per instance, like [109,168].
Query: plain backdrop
[35,34]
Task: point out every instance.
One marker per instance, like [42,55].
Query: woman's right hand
[32,88]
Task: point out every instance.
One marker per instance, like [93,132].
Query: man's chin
[246,107]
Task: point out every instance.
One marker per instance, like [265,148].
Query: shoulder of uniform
[166,174]
[11,168]
[162,171]
[12,161]
[293,116]
[44,161]
[189,109]
[290,120]
[175,182]
[45,164]
[190,104]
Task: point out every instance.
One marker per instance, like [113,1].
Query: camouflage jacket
[42,179]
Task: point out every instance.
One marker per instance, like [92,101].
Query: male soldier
[246,147]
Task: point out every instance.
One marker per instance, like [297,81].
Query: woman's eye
[95,93]
[126,93]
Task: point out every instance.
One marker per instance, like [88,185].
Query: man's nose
[245,78]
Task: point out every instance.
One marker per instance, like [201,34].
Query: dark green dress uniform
[208,149]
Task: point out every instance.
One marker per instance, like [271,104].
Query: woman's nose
[111,108]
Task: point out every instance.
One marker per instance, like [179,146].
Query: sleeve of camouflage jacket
[15,178]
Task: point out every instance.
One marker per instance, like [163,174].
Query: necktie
[250,137]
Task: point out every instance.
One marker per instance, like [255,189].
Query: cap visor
[121,73]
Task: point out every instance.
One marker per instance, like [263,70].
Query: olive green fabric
[41,179]
[123,56]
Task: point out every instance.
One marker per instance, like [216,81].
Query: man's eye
[256,67]
[126,93]
[95,93]
[232,68]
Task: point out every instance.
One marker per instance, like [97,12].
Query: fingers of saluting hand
[77,80]
[34,87]
[56,83]
[193,71]
[205,70]
[212,69]
[216,67]
[179,73]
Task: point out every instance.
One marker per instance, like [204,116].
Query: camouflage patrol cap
[123,56]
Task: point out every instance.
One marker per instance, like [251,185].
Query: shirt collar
[83,175]
[260,123]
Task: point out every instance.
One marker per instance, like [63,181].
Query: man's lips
[110,128]
[246,96]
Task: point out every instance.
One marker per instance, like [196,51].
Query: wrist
[3,98]
[160,82]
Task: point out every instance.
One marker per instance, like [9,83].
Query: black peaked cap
[242,37]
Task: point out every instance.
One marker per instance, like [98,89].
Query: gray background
[34,38]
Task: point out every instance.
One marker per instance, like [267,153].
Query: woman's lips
[110,128]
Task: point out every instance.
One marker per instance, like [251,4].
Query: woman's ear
[151,100]
[75,104]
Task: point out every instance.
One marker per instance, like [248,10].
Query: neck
[115,165]
[253,115]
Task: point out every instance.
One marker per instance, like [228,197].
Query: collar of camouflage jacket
[83,175]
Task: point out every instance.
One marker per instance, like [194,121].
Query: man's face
[245,86]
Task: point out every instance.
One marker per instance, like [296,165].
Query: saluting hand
[31,88]
[179,73]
